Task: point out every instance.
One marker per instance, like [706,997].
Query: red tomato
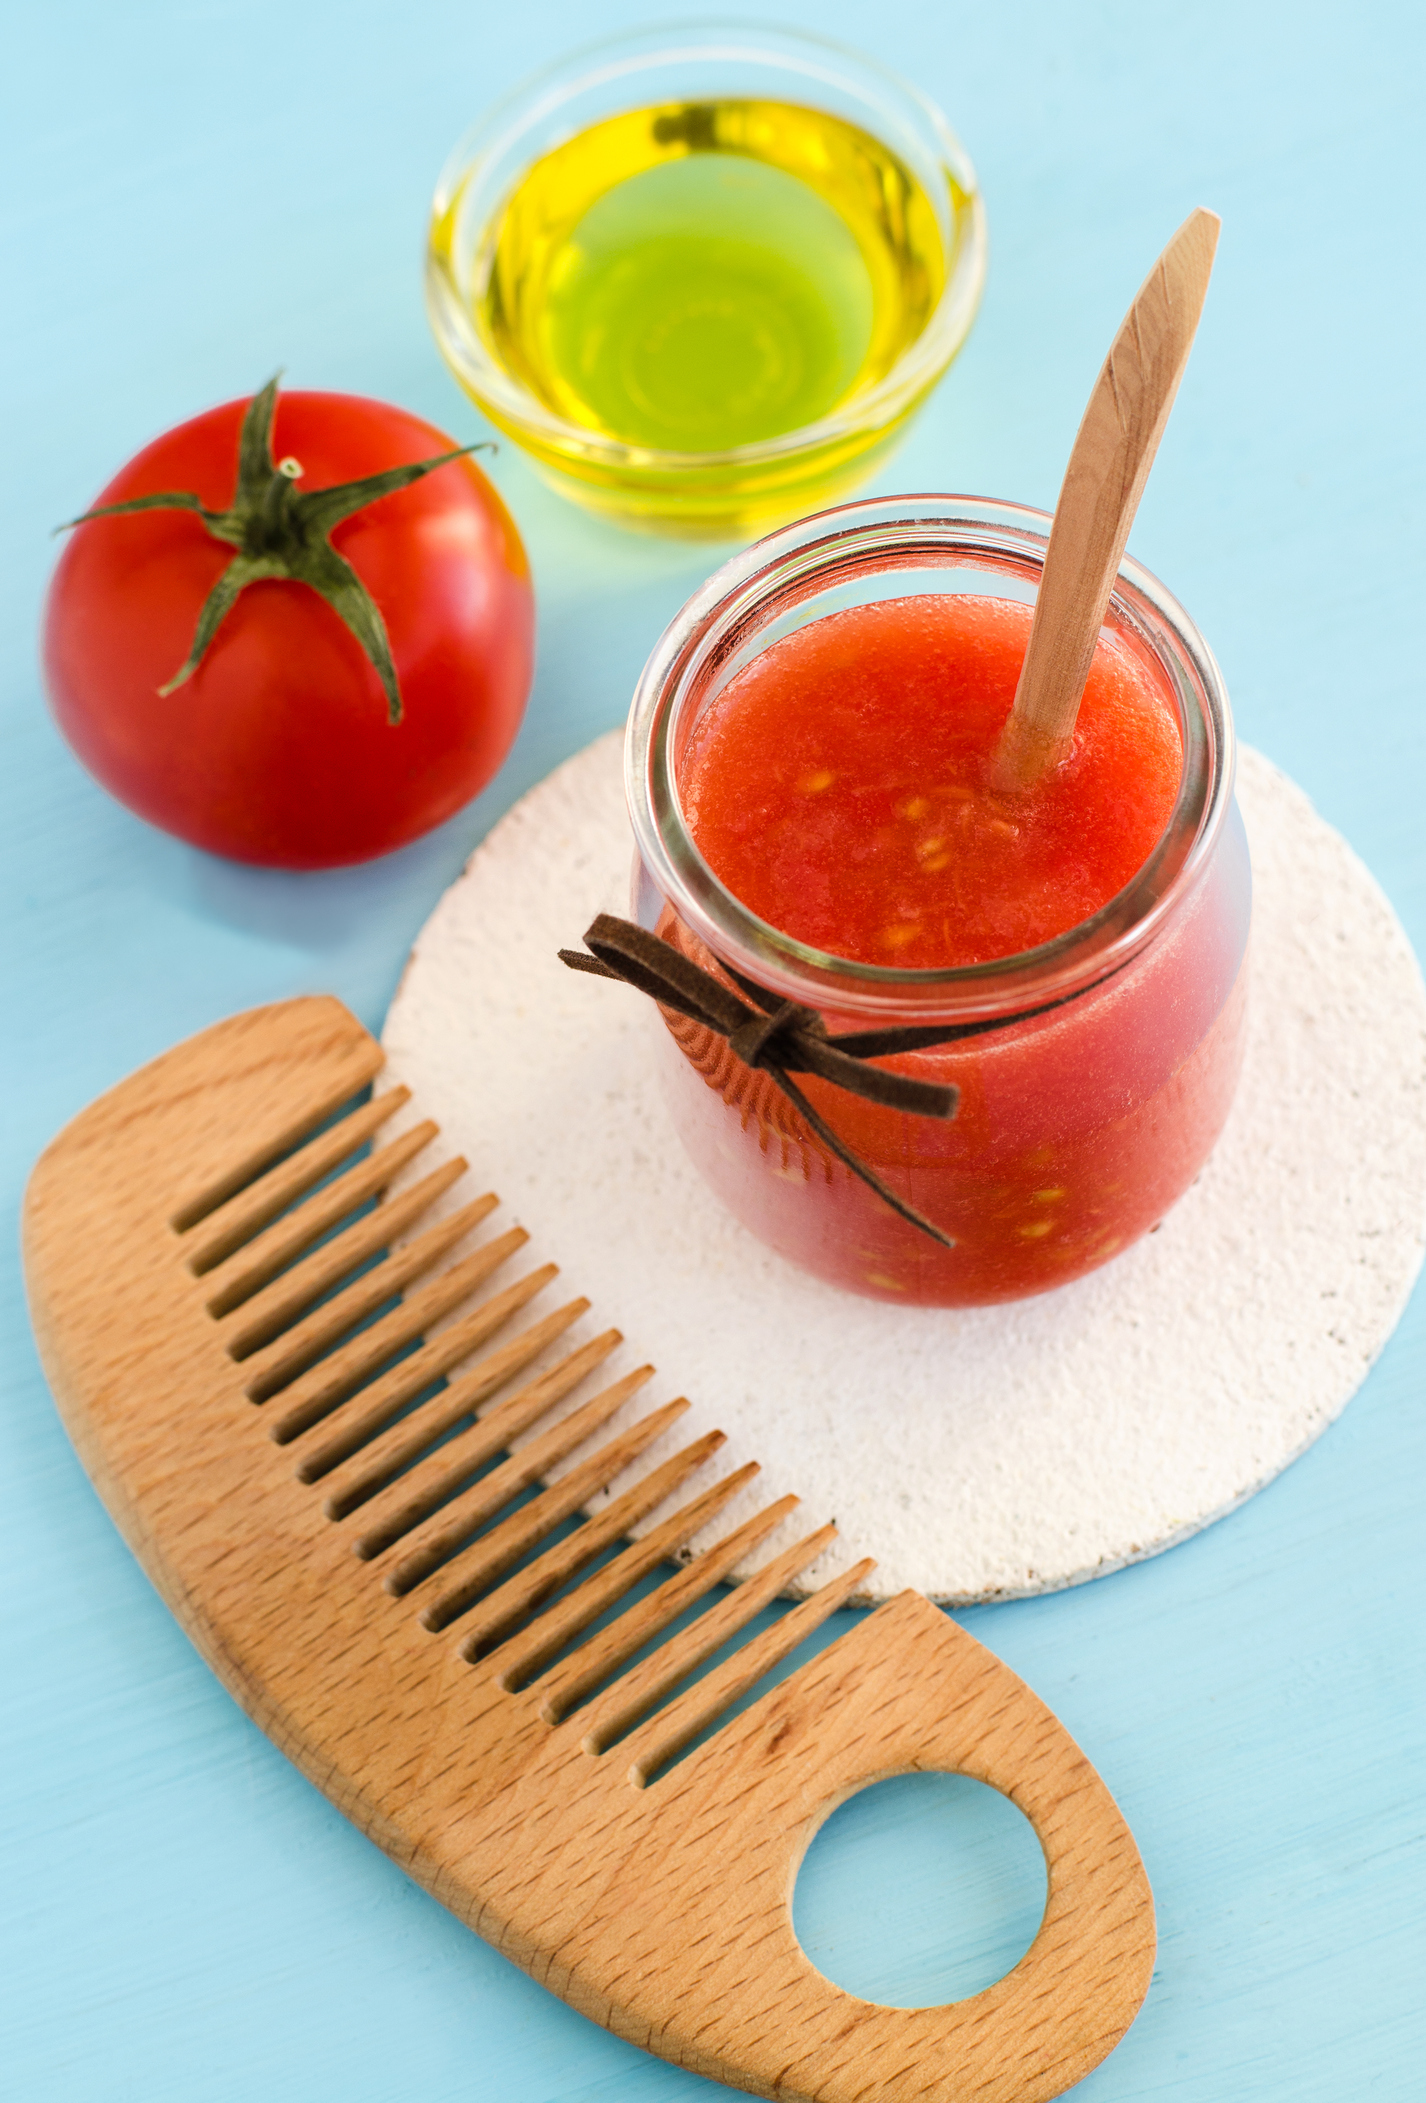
[279,748]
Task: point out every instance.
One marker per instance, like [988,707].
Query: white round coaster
[979,1454]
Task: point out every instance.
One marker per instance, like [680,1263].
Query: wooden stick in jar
[1107,470]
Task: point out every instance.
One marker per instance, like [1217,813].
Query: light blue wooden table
[197,193]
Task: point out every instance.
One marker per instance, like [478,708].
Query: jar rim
[521,115]
[879,537]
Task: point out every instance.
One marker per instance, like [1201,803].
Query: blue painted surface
[197,192]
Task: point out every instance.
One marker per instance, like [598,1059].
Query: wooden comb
[377,1596]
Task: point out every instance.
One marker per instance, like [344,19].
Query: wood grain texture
[662,1910]
[1108,467]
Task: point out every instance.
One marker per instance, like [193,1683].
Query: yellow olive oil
[696,278]
[706,303]
[704,276]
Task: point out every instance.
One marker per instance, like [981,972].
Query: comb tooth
[579,1676]
[309,1340]
[645,1687]
[324,1385]
[229,1225]
[526,1659]
[488,1560]
[248,1269]
[495,1490]
[665,1736]
[339,1088]
[388,1456]
[505,1610]
[420,1492]
[268,1313]
[376,1405]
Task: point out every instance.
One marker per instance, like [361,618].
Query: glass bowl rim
[1084,955]
[526,104]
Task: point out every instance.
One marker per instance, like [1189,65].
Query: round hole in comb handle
[919,1890]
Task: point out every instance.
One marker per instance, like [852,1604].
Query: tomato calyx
[280,530]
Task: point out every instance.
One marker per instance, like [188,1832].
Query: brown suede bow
[781,1037]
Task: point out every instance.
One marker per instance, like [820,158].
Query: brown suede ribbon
[781,1037]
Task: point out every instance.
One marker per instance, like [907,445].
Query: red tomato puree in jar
[842,787]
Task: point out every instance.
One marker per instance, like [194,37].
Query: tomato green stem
[282,531]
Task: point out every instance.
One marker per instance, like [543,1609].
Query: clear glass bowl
[1077,1129]
[747,488]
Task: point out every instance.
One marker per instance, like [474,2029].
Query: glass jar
[910,197]
[1076,1129]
